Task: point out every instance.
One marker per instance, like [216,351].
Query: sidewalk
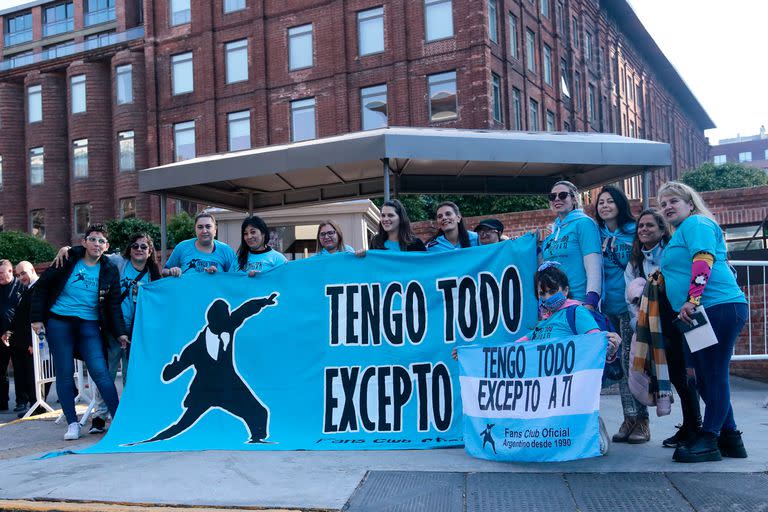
[331,480]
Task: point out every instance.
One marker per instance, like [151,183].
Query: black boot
[702,449]
[731,445]
[684,435]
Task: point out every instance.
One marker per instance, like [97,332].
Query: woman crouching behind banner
[254,254]
[330,239]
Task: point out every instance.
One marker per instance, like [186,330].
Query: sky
[718,47]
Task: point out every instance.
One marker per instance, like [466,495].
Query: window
[373,106]
[588,45]
[438,19]
[127,209]
[124,83]
[547,64]
[513,35]
[566,127]
[18,29]
[575,31]
[82,218]
[239,130]
[36,169]
[550,121]
[181,12]
[233,5]
[37,223]
[630,88]
[100,40]
[632,129]
[19,59]
[517,109]
[442,96]
[746,156]
[237,61]
[80,158]
[126,151]
[1,172]
[493,24]
[55,51]
[766,154]
[58,19]
[496,95]
[564,79]
[533,115]
[562,22]
[99,11]
[35,103]
[370,31]
[182,73]
[592,105]
[544,8]
[752,237]
[77,86]
[303,120]
[530,50]
[300,47]
[184,141]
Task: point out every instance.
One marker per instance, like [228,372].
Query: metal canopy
[420,160]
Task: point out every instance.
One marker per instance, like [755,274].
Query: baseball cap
[493,224]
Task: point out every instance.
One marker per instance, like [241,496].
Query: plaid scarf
[650,356]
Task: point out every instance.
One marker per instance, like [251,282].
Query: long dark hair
[243,251]
[152,265]
[463,234]
[405,234]
[622,204]
[550,279]
[637,257]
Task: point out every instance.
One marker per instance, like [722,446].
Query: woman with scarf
[617,230]
[575,244]
[647,248]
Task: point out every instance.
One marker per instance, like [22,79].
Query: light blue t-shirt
[261,262]
[556,326]
[186,256]
[617,248]
[694,235]
[129,302]
[347,248]
[441,244]
[80,296]
[391,246]
[572,239]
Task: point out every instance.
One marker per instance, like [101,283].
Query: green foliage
[424,206]
[181,227]
[17,246]
[121,230]
[709,176]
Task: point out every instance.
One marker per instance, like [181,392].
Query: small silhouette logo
[487,437]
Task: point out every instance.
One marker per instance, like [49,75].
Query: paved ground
[641,477]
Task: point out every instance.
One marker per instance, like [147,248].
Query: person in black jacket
[11,290]
[79,302]
[395,232]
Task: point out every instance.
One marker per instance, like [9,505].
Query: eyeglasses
[94,240]
[560,195]
[143,247]
[327,234]
[487,232]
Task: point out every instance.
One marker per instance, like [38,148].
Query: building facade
[98,89]
[749,150]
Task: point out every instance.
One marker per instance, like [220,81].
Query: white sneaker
[73,432]
[605,441]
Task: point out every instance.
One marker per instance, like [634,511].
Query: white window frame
[126,139]
[433,82]
[233,6]
[514,34]
[547,64]
[720,159]
[299,35]
[179,12]
[530,50]
[370,25]
[121,209]
[433,8]
[34,103]
[75,220]
[373,92]
[182,69]
[37,172]
[497,108]
[80,158]
[533,115]
[745,156]
[184,128]
[299,107]
[78,94]
[232,50]
[123,91]
[241,118]
[493,21]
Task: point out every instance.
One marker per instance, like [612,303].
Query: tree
[121,230]
[17,246]
[423,206]
[709,176]
[180,228]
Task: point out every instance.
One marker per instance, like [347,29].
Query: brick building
[93,90]
[749,150]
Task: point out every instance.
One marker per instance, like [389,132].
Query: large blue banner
[327,353]
[535,401]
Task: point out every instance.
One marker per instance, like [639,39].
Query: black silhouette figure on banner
[217,382]
[487,437]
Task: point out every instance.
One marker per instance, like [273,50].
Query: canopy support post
[385,161]
[163,227]
[250,204]
[646,189]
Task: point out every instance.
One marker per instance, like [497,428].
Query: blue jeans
[115,354]
[712,366]
[65,334]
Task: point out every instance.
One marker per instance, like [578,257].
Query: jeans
[632,408]
[712,365]
[65,334]
[115,354]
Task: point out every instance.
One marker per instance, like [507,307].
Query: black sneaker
[731,445]
[21,406]
[702,449]
[681,437]
[98,426]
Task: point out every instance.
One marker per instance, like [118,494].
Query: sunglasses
[560,195]
[327,234]
[94,240]
[143,247]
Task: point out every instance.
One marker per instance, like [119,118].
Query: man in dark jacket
[10,295]
[79,302]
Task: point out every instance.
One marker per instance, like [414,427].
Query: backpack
[613,371]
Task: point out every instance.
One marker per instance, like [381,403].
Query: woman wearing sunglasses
[575,244]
